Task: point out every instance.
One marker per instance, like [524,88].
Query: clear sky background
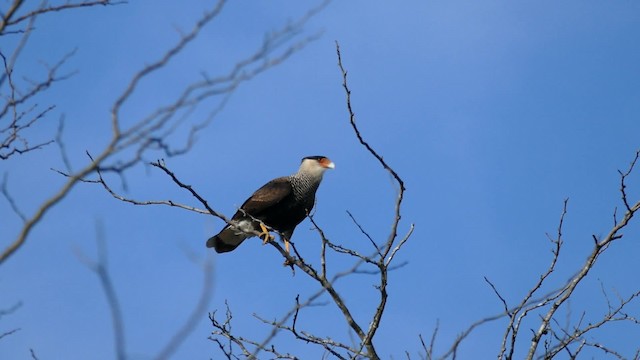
[492,112]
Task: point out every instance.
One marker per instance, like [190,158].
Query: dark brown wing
[266,197]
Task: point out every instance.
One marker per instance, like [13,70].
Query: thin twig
[382,263]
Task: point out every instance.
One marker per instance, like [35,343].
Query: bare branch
[382,264]
[365,233]
[526,305]
[100,268]
[397,247]
[193,319]
[160,165]
[577,333]
[10,200]
[10,310]
[7,333]
[9,14]
[623,178]
[280,325]
[327,343]
[62,147]
[33,354]
[495,291]
[8,21]
[429,350]
[46,206]
[599,248]
[224,329]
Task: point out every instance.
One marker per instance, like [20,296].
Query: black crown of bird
[281,204]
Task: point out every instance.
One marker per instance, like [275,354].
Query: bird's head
[316,165]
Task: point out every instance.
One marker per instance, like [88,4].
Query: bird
[281,204]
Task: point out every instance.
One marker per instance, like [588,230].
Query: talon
[264,235]
[286,244]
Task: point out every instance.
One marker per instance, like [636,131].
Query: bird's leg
[288,261]
[264,235]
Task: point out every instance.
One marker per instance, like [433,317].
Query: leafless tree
[136,141]
[132,140]
[378,261]
[19,108]
[20,93]
[551,339]
[535,328]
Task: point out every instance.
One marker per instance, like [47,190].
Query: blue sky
[493,113]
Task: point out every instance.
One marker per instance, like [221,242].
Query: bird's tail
[227,240]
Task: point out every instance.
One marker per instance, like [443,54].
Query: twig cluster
[379,262]
[19,109]
[133,139]
[551,338]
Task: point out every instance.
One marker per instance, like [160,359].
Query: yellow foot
[289,264]
[264,235]
[286,244]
